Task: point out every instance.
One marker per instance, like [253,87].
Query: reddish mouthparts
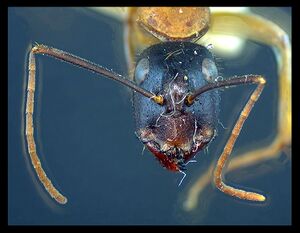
[163,158]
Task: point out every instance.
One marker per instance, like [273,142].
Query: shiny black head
[174,132]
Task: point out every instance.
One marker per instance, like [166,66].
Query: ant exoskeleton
[175,96]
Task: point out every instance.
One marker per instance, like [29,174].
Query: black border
[4,95]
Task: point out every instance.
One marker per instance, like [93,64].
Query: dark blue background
[86,141]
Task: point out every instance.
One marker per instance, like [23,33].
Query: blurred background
[85,132]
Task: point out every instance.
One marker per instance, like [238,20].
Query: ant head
[174,23]
[174,131]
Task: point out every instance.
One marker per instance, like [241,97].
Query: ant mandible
[175,95]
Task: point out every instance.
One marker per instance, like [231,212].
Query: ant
[175,91]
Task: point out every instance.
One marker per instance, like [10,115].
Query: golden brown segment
[229,145]
[146,26]
[174,23]
[29,131]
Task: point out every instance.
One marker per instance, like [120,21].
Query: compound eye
[141,71]
[209,70]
